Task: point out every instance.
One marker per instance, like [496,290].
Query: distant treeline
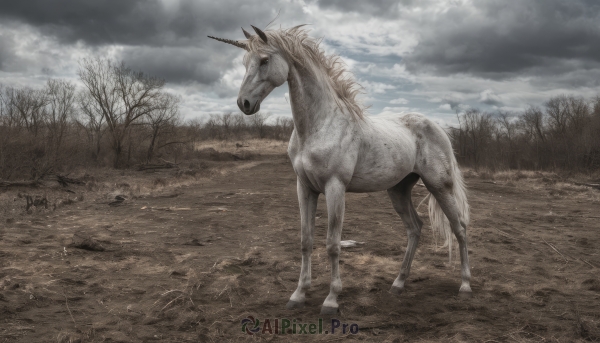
[239,126]
[120,118]
[564,134]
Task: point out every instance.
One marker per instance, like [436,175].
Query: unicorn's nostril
[246,104]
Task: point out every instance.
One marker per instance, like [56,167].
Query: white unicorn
[335,149]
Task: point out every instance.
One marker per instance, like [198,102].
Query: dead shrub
[64,202]
[469,173]
[160,182]
[91,186]
[519,175]
[486,175]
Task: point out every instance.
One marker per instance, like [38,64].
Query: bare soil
[189,253]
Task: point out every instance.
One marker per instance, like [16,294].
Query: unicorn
[335,148]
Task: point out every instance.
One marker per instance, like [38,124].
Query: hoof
[329,311]
[294,305]
[465,294]
[396,290]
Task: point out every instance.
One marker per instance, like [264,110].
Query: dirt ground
[192,252]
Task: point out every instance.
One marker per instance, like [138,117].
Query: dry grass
[257,146]
[177,267]
[102,185]
[516,175]
[557,184]
[177,299]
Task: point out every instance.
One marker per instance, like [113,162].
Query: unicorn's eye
[264,61]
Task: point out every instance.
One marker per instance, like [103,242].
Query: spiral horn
[231,41]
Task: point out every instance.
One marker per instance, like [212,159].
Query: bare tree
[596,106]
[533,121]
[6,127]
[194,129]
[283,128]
[123,96]
[227,123]
[578,113]
[28,104]
[91,120]
[212,127]
[479,129]
[60,108]
[557,109]
[165,113]
[259,124]
[239,124]
[508,128]
[8,116]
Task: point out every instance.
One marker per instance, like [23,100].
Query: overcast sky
[429,56]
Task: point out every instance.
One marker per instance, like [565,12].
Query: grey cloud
[135,22]
[176,64]
[572,79]
[490,98]
[491,102]
[506,38]
[18,50]
[95,22]
[6,47]
[381,8]
[165,40]
[454,104]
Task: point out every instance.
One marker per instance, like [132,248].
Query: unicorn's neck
[312,100]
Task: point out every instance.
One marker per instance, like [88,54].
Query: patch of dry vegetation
[252,146]
[579,185]
[105,185]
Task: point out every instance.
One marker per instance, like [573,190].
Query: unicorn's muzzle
[247,106]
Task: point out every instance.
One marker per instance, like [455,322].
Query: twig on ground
[168,162]
[504,233]
[223,291]
[422,201]
[155,166]
[170,302]
[61,180]
[68,309]
[587,262]
[553,248]
[65,181]
[32,183]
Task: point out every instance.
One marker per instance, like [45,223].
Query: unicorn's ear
[261,34]
[246,33]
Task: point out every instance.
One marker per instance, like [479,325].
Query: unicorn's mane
[299,47]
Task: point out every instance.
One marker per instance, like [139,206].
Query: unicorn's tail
[439,223]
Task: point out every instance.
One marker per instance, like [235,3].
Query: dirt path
[188,265]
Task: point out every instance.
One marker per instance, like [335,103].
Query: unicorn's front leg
[307,199]
[335,192]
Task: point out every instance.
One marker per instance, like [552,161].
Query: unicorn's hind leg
[401,199]
[449,197]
